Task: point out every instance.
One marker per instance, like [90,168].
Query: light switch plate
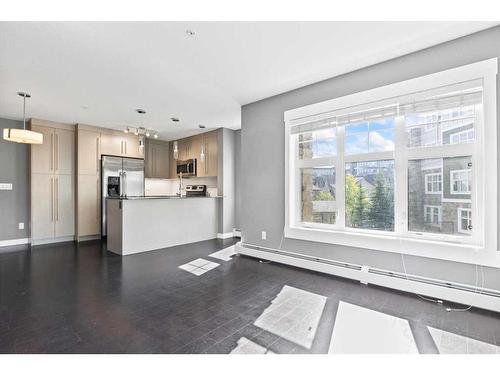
[264,235]
[5,186]
[21,225]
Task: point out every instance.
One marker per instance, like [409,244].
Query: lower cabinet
[88,206]
[52,207]
[65,205]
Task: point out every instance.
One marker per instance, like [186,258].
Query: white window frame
[459,212]
[452,181]
[481,246]
[427,191]
[440,213]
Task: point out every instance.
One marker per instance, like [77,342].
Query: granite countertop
[161,197]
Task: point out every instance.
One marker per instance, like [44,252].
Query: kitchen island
[139,224]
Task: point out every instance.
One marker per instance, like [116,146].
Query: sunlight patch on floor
[451,343]
[360,330]
[293,315]
[224,254]
[246,346]
[199,266]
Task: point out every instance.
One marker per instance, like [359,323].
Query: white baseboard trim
[489,300]
[89,238]
[18,241]
[223,236]
[47,241]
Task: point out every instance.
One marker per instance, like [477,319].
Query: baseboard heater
[484,298]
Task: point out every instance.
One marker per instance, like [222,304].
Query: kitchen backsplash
[158,186]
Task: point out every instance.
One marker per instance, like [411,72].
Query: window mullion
[401,178]
[340,178]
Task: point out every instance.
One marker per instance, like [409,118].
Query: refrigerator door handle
[124,183]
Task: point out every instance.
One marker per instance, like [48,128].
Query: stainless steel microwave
[186,167]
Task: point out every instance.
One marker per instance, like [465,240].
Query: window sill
[456,252]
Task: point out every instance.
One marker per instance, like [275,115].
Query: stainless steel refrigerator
[120,177]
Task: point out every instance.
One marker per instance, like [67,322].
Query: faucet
[180,184]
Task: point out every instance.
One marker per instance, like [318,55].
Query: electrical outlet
[21,225]
[264,235]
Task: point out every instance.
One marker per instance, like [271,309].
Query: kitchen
[129,187]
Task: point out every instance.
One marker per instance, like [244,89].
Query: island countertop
[161,197]
[138,224]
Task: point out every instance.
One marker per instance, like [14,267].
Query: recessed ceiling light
[85,107]
[190,33]
[175,119]
[202,126]
[141,111]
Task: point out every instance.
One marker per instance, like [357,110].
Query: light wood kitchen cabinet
[53,183]
[89,213]
[120,145]
[64,151]
[111,144]
[185,149]
[191,148]
[156,160]
[42,160]
[171,161]
[209,166]
[131,147]
[42,206]
[64,205]
[56,153]
[88,152]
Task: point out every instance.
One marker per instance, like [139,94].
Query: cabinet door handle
[125,143]
[56,153]
[97,200]
[51,199]
[97,154]
[56,198]
[51,151]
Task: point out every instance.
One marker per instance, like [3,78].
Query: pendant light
[23,135]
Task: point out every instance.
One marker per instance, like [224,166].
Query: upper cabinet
[56,153]
[208,163]
[111,144]
[120,145]
[156,159]
[88,152]
[131,145]
[203,148]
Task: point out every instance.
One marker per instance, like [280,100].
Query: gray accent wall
[263,148]
[14,169]
[237,178]
[226,181]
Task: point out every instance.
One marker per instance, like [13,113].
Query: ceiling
[98,73]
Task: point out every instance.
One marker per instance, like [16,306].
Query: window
[432,214]
[421,207]
[318,195]
[460,181]
[464,220]
[465,136]
[433,183]
[389,168]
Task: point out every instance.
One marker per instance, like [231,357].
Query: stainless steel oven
[186,167]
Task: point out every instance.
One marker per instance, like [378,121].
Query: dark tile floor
[70,298]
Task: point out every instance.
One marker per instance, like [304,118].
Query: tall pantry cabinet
[88,182]
[52,179]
